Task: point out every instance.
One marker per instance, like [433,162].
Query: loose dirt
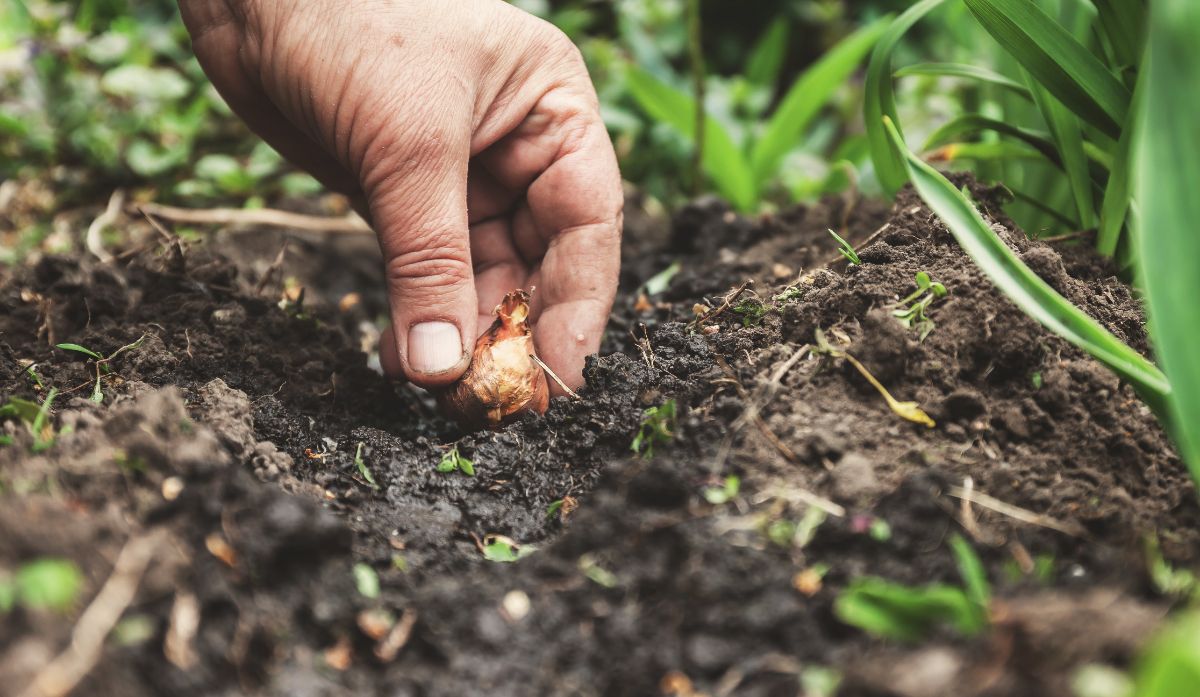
[233,430]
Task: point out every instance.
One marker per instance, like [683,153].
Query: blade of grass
[879,98]
[973,123]
[722,161]
[766,58]
[79,349]
[1064,128]
[1062,65]
[1167,185]
[807,95]
[1024,287]
[983,152]
[966,71]
[1122,22]
[1118,190]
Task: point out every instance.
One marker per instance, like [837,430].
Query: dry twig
[268,217]
[93,239]
[1015,512]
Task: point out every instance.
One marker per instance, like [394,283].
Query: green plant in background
[102,362]
[657,428]
[1107,115]
[110,88]
[742,159]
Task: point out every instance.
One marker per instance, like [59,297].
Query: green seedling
[35,417]
[31,373]
[362,467]
[912,308]
[661,280]
[503,549]
[43,584]
[102,362]
[752,311]
[658,428]
[596,573]
[788,294]
[1176,583]
[553,509]
[728,491]
[453,461]
[366,581]
[846,249]
[909,613]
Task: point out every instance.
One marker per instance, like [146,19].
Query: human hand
[467,132]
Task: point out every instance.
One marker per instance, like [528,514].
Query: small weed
[503,549]
[453,461]
[596,573]
[553,509]
[912,311]
[846,249]
[662,280]
[1036,380]
[31,373]
[879,530]
[658,428]
[102,362]
[788,294]
[362,467]
[35,417]
[717,495]
[752,311]
[366,580]
[43,584]
[1176,583]
[907,613]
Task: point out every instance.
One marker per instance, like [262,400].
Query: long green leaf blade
[806,97]
[879,98]
[1122,22]
[1168,195]
[723,161]
[1064,128]
[766,58]
[966,124]
[1114,208]
[966,71]
[1056,60]
[1024,287]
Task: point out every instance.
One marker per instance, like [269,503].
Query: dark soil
[229,435]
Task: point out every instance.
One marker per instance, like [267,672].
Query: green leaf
[973,575]
[1069,139]
[966,124]
[97,393]
[1118,190]
[1024,287]
[805,98]
[151,160]
[22,409]
[1062,65]
[504,550]
[1167,182]
[467,467]
[723,161]
[366,581]
[139,81]
[967,71]
[661,280]
[894,611]
[1122,22]
[1170,667]
[80,349]
[879,99]
[766,58]
[48,584]
[363,470]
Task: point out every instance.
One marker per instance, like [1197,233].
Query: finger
[499,269]
[418,199]
[576,205]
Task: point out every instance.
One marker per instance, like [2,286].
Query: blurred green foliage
[106,93]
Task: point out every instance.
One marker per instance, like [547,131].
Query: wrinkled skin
[467,132]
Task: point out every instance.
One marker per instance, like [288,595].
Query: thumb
[420,214]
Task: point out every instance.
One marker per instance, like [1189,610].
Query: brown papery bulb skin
[502,380]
